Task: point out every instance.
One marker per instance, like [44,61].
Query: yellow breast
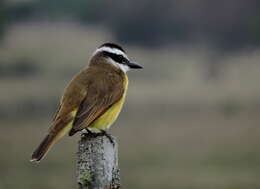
[110,116]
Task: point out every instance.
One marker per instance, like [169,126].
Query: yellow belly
[110,116]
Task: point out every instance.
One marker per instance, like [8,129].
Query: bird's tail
[44,147]
[61,128]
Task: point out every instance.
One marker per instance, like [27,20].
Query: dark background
[191,120]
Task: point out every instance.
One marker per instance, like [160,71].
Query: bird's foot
[104,133]
[89,133]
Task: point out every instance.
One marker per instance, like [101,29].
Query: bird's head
[114,55]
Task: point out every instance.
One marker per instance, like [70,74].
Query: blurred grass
[177,130]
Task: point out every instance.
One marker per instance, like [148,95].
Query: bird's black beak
[134,65]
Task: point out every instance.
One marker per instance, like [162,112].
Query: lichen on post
[97,163]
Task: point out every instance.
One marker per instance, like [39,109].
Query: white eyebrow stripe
[111,50]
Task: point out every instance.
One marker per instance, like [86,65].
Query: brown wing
[56,113]
[73,95]
[102,93]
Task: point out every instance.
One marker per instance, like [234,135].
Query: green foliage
[254,29]
[3,17]
[153,23]
[230,107]
[140,25]
[21,11]
[82,10]
[19,68]
[85,181]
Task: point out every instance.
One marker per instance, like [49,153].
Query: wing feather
[101,95]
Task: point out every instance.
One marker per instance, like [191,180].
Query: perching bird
[94,97]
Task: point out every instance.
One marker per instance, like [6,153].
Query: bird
[93,98]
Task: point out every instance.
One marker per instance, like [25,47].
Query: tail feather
[43,148]
[51,138]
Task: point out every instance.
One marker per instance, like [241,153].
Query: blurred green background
[191,120]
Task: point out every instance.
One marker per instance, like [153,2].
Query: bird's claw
[101,133]
[104,133]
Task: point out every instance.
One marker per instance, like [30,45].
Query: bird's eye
[116,57]
[121,59]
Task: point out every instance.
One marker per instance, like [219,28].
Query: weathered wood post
[97,163]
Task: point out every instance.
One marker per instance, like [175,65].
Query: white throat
[122,67]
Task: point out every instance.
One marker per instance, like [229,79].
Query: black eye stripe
[116,57]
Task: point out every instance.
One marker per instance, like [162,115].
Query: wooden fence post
[97,163]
